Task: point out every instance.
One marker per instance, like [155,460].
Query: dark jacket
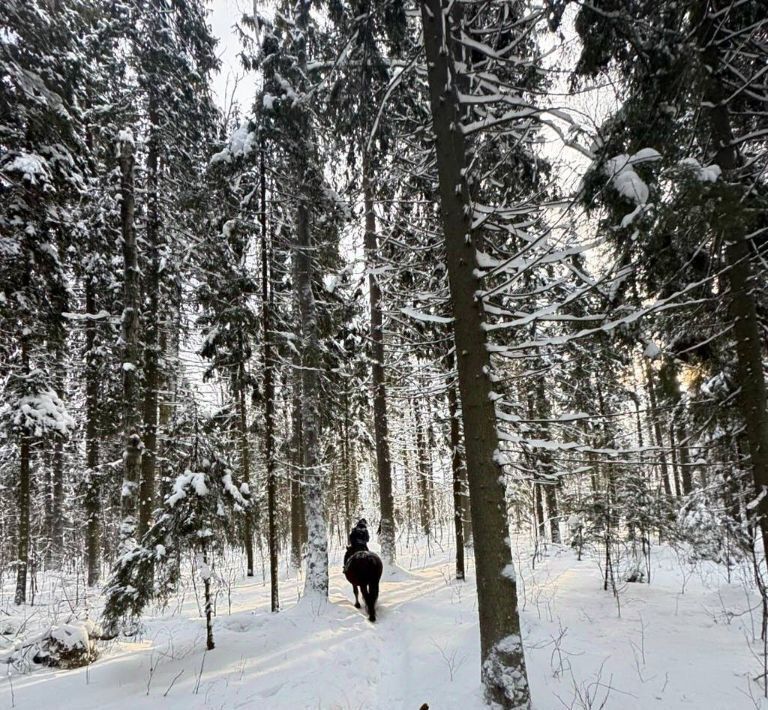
[359,537]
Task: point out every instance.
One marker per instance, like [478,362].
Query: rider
[358,539]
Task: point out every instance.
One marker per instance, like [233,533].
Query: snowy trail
[324,658]
[665,650]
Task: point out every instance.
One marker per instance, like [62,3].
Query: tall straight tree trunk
[422,471]
[686,479]
[151,326]
[503,663]
[269,393]
[678,435]
[131,347]
[57,475]
[380,426]
[297,478]
[542,411]
[457,464]
[730,224]
[657,430]
[22,500]
[675,466]
[538,496]
[316,582]
[91,503]
[245,464]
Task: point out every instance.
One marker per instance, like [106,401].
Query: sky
[224,14]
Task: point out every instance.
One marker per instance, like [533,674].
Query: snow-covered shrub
[69,645]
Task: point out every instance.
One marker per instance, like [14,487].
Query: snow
[125,135]
[652,351]
[186,480]
[72,636]
[242,143]
[424,317]
[39,413]
[625,180]
[330,281]
[31,166]
[685,641]
[710,173]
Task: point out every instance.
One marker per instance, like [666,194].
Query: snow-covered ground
[658,648]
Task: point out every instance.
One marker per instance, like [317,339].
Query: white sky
[223,15]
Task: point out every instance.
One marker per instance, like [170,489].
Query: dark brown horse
[363,569]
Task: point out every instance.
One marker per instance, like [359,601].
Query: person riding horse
[363,568]
[358,540]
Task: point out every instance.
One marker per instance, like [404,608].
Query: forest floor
[684,641]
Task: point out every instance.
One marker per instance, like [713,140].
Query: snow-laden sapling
[196,516]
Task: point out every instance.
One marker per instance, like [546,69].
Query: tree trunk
[57,478]
[346,474]
[92,485]
[269,394]
[380,426]
[297,478]
[730,225]
[23,508]
[22,501]
[131,348]
[657,430]
[316,582]
[245,465]
[503,664]
[457,464]
[422,471]
[151,327]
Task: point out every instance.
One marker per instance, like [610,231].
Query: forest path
[314,656]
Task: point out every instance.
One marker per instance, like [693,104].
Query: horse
[363,569]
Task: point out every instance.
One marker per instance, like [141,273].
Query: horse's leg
[357,600]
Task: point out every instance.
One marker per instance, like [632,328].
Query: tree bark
[730,224]
[245,464]
[22,501]
[131,349]
[657,430]
[269,394]
[380,425]
[457,465]
[316,582]
[151,327]
[422,471]
[92,484]
[503,664]
[297,489]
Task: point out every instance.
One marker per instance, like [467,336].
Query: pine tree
[503,665]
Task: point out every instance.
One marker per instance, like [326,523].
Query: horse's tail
[375,569]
